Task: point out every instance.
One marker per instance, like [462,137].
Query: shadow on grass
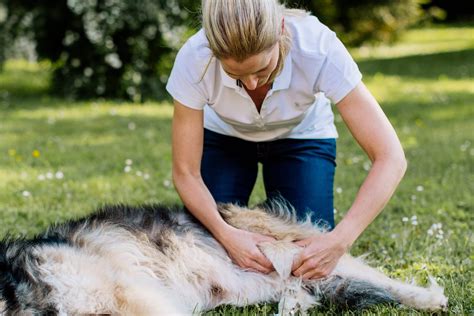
[458,64]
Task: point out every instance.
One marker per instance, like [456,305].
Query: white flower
[131,126]
[339,190]
[167,183]
[414,218]
[367,166]
[420,188]
[146,176]
[59,175]
[113,60]
[139,173]
[127,169]
[430,232]
[405,219]
[128,162]
[49,175]
[88,72]
[41,177]
[414,223]
[26,193]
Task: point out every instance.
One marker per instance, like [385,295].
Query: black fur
[353,293]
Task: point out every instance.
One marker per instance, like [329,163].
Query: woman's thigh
[302,172]
[228,167]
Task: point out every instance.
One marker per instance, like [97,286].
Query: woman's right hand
[241,245]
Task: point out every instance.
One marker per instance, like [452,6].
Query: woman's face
[254,71]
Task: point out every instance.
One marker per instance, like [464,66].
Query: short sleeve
[339,73]
[184,83]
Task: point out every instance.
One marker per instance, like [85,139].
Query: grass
[61,159]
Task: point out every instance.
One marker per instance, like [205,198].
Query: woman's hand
[319,256]
[241,245]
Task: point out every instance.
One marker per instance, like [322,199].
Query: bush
[454,10]
[358,22]
[103,48]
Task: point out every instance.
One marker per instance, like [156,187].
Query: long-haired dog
[158,260]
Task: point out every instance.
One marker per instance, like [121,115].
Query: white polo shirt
[317,69]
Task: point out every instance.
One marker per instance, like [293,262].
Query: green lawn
[60,159]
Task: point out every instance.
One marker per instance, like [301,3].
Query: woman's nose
[250,82]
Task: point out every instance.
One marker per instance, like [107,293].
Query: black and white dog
[158,260]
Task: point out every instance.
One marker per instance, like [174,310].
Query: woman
[254,86]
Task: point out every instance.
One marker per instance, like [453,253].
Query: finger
[265,238]
[297,262]
[307,266]
[260,268]
[303,242]
[263,261]
[312,275]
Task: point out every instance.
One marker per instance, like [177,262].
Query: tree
[362,21]
[102,48]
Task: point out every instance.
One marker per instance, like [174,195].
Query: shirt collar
[227,80]
[282,81]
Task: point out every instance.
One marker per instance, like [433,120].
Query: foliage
[60,159]
[105,48]
[454,10]
[358,22]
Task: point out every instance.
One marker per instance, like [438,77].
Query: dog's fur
[158,260]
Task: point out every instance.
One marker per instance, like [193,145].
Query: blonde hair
[239,29]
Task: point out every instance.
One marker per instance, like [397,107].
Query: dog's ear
[281,254]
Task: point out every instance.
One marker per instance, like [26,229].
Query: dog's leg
[294,298]
[145,296]
[349,292]
[431,298]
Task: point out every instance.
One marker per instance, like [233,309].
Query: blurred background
[124,48]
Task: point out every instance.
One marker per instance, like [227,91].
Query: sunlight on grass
[97,110]
[419,42]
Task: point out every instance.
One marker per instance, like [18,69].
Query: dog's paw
[438,300]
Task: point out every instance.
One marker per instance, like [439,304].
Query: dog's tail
[351,293]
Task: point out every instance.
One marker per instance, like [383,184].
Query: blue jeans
[301,171]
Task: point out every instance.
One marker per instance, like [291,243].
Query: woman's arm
[373,131]
[187,144]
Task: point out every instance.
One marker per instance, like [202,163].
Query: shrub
[103,48]
[362,21]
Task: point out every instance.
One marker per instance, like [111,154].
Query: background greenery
[125,48]
[60,159]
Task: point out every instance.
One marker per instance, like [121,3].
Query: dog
[159,260]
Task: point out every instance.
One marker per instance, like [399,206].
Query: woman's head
[241,29]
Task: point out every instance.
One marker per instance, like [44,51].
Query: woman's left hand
[319,256]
